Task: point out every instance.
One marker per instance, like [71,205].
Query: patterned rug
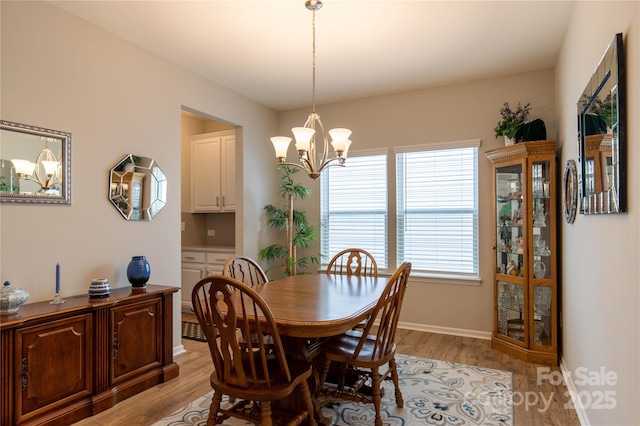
[192,330]
[435,393]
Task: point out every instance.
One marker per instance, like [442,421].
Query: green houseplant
[299,234]
[511,120]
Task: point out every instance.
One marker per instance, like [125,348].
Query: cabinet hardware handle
[224,201]
[217,201]
[189,257]
[116,345]
[25,373]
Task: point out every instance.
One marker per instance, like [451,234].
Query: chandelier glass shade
[309,136]
[45,171]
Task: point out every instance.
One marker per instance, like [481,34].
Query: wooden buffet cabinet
[62,363]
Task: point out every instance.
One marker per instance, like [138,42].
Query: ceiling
[263,49]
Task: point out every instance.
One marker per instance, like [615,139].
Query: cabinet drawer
[218,258]
[193,257]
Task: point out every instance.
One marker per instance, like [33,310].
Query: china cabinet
[213,181]
[525,260]
[62,363]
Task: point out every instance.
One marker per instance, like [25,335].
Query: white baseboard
[567,376]
[179,349]
[485,335]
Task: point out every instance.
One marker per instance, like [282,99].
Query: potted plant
[299,234]
[511,121]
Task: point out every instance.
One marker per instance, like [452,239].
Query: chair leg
[323,376]
[342,378]
[306,396]
[377,397]
[394,377]
[265,413]
[213,408]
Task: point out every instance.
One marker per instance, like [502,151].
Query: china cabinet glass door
[541,253]
[510,252]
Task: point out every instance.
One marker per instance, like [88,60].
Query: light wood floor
[195,366]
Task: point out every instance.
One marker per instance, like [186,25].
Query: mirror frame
[65,161]
[124,172]
[609,74]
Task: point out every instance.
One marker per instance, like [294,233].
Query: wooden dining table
[311,307]
[320,305]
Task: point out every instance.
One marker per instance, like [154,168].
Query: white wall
[62,73]
[600,297]
[460,112]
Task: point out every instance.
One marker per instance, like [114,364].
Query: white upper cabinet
[213,169]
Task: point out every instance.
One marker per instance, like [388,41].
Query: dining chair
[250,374]
[366,351]
[244,269]
[353,261]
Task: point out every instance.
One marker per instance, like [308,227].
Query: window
[437,210]
[430,220]
[353,207]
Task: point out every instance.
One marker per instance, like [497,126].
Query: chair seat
[342,348]
[259,391]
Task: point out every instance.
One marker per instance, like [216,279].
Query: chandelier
[306,144]
[46,168]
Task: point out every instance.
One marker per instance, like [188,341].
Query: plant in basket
[511,120]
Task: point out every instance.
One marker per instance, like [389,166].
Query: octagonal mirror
[137,188]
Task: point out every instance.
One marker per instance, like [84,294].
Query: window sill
[444,279]
[423,277]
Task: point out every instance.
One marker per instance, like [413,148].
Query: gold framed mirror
[35,165]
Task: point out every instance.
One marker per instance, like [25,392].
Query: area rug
[435,393]
[192,330]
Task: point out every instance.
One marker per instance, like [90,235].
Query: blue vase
[138,271]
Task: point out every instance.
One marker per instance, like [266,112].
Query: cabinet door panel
[191,274]
[55,363]
[205,175]
[137,339]
[229,173]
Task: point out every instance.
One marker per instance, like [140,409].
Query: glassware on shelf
[539,269]
[540,217]
[538,331]
[540,247]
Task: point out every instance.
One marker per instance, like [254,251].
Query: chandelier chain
[313,50]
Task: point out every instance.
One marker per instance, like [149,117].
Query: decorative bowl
[11,298]
[99,287]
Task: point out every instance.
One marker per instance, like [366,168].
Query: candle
[57,278]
